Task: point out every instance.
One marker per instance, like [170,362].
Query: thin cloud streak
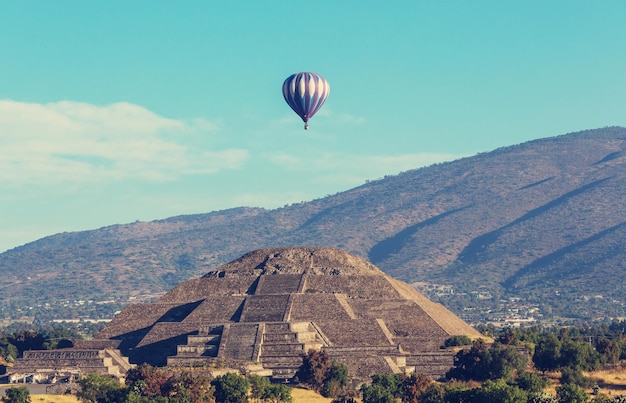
[74,142]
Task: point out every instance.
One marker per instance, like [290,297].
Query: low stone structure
[270,307]
[51,366]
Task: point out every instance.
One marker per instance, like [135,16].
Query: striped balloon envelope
[305,93]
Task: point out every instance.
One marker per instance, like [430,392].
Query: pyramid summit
[317,261]
[271,306]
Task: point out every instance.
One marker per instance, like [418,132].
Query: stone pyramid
[265,310]
[271,306]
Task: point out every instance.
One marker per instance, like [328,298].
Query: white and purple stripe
[305,93]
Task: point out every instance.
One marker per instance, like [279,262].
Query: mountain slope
[532,220]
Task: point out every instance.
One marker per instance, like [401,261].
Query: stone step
[283,373]
[208,330]
[197,340]
[289,337]
[119,360]
[196,350]
[280,337]
[52,363]
[191,355]
[281,362]
[280,327]
[299,327]
[189,361]
[282,349]
[313,346]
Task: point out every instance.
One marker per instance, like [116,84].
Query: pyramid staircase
[284,344]
[276,346]
[200,349]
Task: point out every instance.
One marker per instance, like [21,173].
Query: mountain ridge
[506,221]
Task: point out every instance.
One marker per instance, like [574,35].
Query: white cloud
[73,142]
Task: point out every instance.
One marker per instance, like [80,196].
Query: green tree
[277,393]
[8,351]
[376,393]
[579,354]
[457,341]
[507,337]
[547,352]
[335,380]
[570,393]
[230,388]
[97,388]
[457,392]
[390,382]
[505,361]
[481,363]
[150,384]
[17,395]
[609,350]
[133,397]
[28,340]
[193,387]
[314,368]
[257,385]
[501,392]
[574,375]
[532,382]
[434,393]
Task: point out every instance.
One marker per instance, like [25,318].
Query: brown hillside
[543,220]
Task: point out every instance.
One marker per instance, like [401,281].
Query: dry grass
[610,380]
[307,396]
[54,399]
[299,395]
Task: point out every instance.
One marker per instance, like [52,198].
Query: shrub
[413,386]
[547,352]
[257,385]
[434,393]
[100,389]
[317,370]
[277,393]
[500,391]
[230,388]
[17,395]
[313,370]
[532,382]
[570,393]
[574,375]
[376,393]
[335,380]
[481,363]
[455,341]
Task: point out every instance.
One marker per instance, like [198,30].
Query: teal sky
[117,111]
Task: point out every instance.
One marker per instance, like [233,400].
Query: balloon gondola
[305,93]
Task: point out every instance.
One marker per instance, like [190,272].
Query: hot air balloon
[305,93]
